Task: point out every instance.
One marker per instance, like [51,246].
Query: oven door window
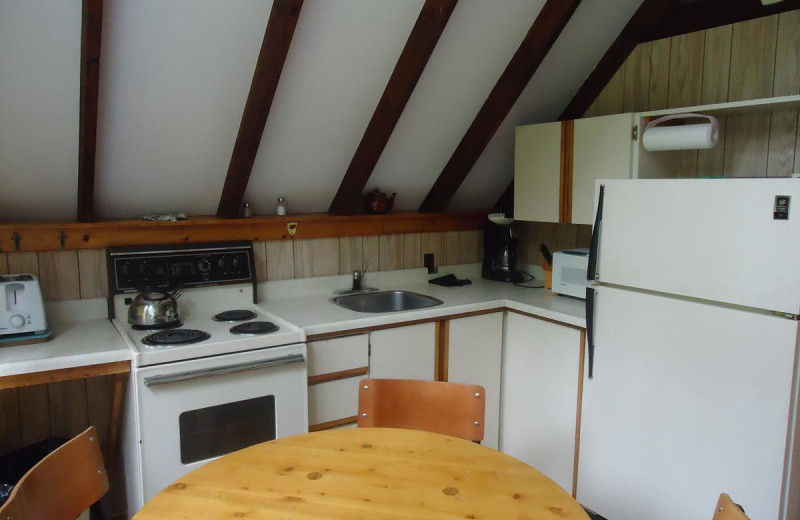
[210,432]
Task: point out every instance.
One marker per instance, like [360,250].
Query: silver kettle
[154,309]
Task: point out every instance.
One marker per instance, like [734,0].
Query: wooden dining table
[364,473]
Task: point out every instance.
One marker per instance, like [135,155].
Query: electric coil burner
[254,327]
[176,337]
[235,315]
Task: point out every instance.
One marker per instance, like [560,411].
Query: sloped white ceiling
[40,49]
[175,76]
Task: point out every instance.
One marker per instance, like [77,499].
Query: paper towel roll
[684,137]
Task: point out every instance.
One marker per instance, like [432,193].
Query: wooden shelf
[734,107]
[53,236]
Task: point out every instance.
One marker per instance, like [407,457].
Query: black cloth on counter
[449,280]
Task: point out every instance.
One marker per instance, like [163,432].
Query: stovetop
[197,309]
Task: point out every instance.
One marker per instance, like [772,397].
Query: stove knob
[235,262]
[17,320]
[204,265]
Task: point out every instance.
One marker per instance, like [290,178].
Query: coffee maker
[500,250]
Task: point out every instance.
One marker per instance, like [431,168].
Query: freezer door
[713,239]
[688,400]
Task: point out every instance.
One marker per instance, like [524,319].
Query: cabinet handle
[590,292]
[591,271]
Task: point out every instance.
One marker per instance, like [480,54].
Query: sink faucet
[358,276]
[358,285]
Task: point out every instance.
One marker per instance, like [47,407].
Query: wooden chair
[449,408]
[62,485]
[728,510]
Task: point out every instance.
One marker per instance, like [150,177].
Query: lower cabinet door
[403,352]
[474,357]
[540,395]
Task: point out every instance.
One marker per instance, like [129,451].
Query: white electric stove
[229,376]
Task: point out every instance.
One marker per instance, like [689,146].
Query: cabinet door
[335,399]
[540,395]
[474,357]
[403,352]
[537,172]
[602,149]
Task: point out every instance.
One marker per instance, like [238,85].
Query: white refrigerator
[691,380]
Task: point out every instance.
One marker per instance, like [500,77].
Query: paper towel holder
[709,130]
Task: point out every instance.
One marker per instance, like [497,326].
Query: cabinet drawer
[337,354]
[333,400]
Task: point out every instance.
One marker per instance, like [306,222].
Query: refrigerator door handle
[590,293]
[591,271]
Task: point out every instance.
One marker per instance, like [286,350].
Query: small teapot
[378,202]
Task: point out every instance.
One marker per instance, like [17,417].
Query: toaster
[22,308]
[569,272]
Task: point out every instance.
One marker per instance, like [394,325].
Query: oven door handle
[223,370]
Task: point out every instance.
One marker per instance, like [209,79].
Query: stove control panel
[166,268]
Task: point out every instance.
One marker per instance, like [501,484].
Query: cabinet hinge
[635,132]
[369,349]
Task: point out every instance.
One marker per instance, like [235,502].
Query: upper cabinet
[556,165]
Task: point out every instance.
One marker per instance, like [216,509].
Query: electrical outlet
[428,261]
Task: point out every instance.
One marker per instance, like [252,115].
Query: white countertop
[309,308]
[82,335]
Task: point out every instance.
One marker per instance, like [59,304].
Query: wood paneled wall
[71,275]
[749,60]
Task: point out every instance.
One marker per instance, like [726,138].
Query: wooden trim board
[64,374]
[46,236]
[565,184]
[332,424]
[581,360]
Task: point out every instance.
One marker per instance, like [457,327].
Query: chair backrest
[449,408]
[728,510]
[63,484]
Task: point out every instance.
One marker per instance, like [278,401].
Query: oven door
[191,412]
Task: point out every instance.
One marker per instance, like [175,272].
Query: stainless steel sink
[385,301]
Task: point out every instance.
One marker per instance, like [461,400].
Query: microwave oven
[569,272]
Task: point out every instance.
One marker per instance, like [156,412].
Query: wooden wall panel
[280,260]
[658,96]
[452,247]
[23,263]
[68,408]
[3,263]
[350,254]
[260,259]
[390,252]
[747,145]
[686,69]
[753,58]
[637,79]
[35,419]
[93,273]
[787,55]
[781,144]
[58,272]
[10,433]
[370,251]
[470,244]
[412,250]
[716,64]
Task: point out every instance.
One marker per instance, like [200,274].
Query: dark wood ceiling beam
[274,48]
[643,22]
[91,30]
[707,14]
[505,203]
[418,49]
[540,38]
